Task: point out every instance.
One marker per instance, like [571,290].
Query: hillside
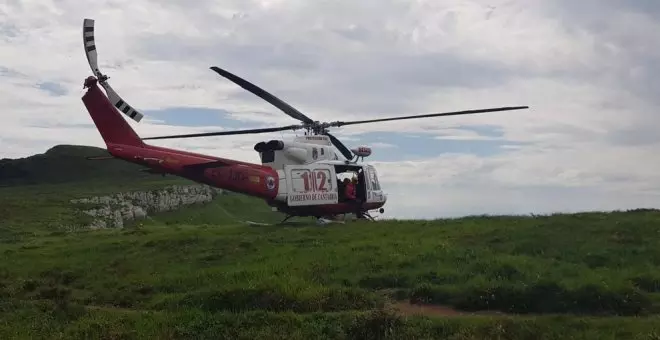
[65,163]
[199,273]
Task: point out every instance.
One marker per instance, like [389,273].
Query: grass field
[198,273]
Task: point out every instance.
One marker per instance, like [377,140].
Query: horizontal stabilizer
[99,158]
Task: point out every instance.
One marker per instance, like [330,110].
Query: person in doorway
[349,190]
[355,200]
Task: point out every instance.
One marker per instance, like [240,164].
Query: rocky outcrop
[115,210]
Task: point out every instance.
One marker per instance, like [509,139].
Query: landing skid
[362,216]
[367,215]
[324,221]
[319,220]
[286,219]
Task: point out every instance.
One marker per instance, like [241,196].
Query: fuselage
[311,175]
[279,184]
[286,190]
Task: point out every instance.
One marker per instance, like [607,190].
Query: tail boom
[247,178]
[123,142]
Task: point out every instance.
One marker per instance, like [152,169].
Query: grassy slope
[198,273]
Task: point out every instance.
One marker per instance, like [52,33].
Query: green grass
[202,258]
[201,273]
[35,210]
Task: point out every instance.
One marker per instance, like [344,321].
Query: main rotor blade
[342,148]
[455,113]
[226,133]
[261,93]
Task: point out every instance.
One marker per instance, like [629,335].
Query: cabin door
[374,191]
[311,184]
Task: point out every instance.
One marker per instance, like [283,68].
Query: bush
[276,300]
[539,297]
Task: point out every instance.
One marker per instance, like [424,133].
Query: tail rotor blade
[90,46]
[89,42]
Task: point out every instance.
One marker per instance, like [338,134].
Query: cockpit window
[373,179]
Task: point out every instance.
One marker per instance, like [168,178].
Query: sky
[587,69]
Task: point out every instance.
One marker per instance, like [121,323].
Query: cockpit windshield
[373,179]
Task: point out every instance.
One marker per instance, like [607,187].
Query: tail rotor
[92,59]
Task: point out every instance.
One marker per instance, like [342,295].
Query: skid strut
[286,219]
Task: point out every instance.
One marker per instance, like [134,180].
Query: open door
[349,172]
[311,184]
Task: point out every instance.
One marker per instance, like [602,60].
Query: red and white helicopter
[299,177]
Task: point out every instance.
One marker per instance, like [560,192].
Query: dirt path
[120,309]
[403,307]
[406,308]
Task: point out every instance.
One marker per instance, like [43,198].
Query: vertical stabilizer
[113,127]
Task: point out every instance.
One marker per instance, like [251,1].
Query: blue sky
[587,70]
[198,117]
[53,89]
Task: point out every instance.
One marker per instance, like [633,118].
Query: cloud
[587,70]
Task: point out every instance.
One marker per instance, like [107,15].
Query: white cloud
[589,140]
[381,145]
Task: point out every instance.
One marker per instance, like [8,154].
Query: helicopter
[298,177]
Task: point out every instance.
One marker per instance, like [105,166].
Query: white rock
[123,207]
